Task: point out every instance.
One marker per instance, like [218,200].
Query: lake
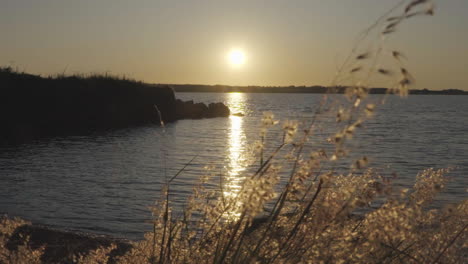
[105,183]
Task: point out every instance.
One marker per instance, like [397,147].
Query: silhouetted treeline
[441,92]
[294,89]
[32,106]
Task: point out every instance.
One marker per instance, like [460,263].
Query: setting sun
[236,58]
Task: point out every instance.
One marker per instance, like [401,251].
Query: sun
[236,57]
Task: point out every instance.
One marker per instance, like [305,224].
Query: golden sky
[295,42]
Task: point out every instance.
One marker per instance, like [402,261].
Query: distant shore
[198,88]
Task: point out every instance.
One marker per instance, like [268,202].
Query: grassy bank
[32,106]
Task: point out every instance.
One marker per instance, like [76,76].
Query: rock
[191,110]
[218,110]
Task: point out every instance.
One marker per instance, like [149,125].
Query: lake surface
[106,182]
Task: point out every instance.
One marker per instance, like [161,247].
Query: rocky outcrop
[189,109]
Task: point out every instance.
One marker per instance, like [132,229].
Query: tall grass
[318,213]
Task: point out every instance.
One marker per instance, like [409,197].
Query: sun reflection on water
[236,150]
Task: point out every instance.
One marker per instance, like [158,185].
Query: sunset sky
[295,42]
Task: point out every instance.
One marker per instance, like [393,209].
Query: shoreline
[58,245]
[316,89]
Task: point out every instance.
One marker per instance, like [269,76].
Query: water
[105,182]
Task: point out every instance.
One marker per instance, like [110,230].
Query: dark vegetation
[296,89]
[32,106]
